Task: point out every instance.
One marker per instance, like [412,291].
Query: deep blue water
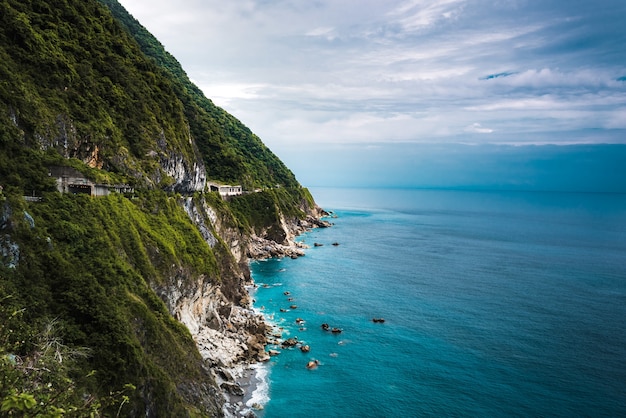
[495,304]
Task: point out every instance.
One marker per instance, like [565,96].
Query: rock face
[188,177]
[260,248]
[228,333]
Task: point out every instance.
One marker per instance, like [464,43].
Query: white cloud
[478,128]
[372,71]
[323,32]
[419,14]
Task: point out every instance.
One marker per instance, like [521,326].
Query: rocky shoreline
[231,337]
[236,377]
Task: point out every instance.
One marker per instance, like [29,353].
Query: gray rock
[232,388]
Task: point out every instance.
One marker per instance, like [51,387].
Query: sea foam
[260,395]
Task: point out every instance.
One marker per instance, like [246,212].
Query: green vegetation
[43,382]
[83,331]
[231,152]
[257,212]
[99,88]
[90,266]
[75,82]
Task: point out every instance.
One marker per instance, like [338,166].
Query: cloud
[478,129]
[323,32]
[366,71]
[419,14]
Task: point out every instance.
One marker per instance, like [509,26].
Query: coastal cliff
[143,296]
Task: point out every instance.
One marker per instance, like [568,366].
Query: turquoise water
[495,304]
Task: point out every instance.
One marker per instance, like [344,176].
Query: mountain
[128,299]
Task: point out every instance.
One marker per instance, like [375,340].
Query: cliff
[137,303]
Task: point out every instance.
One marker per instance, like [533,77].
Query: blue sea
[495,304]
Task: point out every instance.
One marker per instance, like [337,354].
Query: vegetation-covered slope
[89,265]
[74,79]
[230,150]
[86,321]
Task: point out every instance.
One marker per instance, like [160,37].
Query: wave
[261,394]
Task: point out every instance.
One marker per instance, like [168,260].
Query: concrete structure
[226,190]
[72,181]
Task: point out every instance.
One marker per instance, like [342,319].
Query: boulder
[232,388]
[312,364]
[290,342]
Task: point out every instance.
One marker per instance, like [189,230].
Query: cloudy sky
[304,73]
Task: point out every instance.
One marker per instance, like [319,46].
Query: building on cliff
[70,180]
[225,190]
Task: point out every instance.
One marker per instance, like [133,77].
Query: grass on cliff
[90,265]
[261,211]
[86,79]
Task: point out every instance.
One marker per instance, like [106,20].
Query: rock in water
[312,364]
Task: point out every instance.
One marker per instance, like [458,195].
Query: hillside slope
[131,304]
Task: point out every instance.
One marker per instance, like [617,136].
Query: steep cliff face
[153,285]
[117,271]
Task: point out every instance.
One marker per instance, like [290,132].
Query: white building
[225,190]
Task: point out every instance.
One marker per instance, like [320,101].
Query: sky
[314,77]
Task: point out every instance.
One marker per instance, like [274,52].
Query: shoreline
[245,382]
[252,379]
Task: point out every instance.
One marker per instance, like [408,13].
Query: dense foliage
[82,329]
[74,81]
[102,89]
[232,153]
[89,265]
[261,210]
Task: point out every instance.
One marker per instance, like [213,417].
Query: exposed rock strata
[229,334]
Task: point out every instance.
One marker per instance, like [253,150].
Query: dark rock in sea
[317,244]
[336,331]
[335,244]
[291,342]
[294,306]
[273,352]
[305,348]
[287,293]
[378,320]
[312,364]
[325,327]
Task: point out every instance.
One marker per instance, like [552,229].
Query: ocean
[494,304]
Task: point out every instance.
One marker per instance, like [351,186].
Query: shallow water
[495,303]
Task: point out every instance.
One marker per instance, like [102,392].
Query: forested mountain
[76,80]
[103,299]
